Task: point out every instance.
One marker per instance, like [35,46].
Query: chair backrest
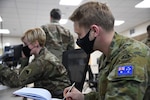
[76,62]
[92,79]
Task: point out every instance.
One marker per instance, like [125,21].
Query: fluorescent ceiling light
[63,21]
[1,19]
[118,22]
[4,31]
[143,4]
[70,2]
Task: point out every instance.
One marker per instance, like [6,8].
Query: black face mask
[26,50]
[86,44]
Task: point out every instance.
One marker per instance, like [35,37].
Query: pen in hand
[69,89]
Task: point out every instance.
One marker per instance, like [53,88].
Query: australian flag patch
[126,70]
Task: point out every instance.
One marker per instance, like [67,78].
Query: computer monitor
[12,54]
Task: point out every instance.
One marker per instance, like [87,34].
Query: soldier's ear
[95,29]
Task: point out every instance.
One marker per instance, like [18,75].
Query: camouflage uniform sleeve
[9,77]
[128,80]
[91,96]
[32,72]
[27,75]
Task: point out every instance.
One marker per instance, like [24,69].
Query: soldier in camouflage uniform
[147,40]
[58,38]
[45,71]
[124,71]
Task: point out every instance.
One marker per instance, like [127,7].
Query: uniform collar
[115,45]
[55,21]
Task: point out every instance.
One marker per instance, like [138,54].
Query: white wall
[139,29]
[6,41]
[11,40]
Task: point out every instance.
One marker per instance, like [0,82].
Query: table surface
[6,93]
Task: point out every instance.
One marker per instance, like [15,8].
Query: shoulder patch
[126,70]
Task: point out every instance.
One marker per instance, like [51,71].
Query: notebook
[34,93]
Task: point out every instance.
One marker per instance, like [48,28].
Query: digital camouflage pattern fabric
[125,73]
[147,42]
[58,39]
[44,71]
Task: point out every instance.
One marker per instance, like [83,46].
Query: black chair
[76,63]
[93,79]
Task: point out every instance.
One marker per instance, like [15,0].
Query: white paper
[56,99]
[34,93]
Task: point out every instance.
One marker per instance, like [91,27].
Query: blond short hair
[35,34]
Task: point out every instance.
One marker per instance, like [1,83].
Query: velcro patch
[126,70]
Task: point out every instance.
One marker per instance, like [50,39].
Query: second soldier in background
[58,38]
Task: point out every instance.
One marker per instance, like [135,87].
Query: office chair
[92,79]
[76,62]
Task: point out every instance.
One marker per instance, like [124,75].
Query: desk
[6,93]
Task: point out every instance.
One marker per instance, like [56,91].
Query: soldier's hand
[75,94]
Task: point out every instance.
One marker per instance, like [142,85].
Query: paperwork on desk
[34,93]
